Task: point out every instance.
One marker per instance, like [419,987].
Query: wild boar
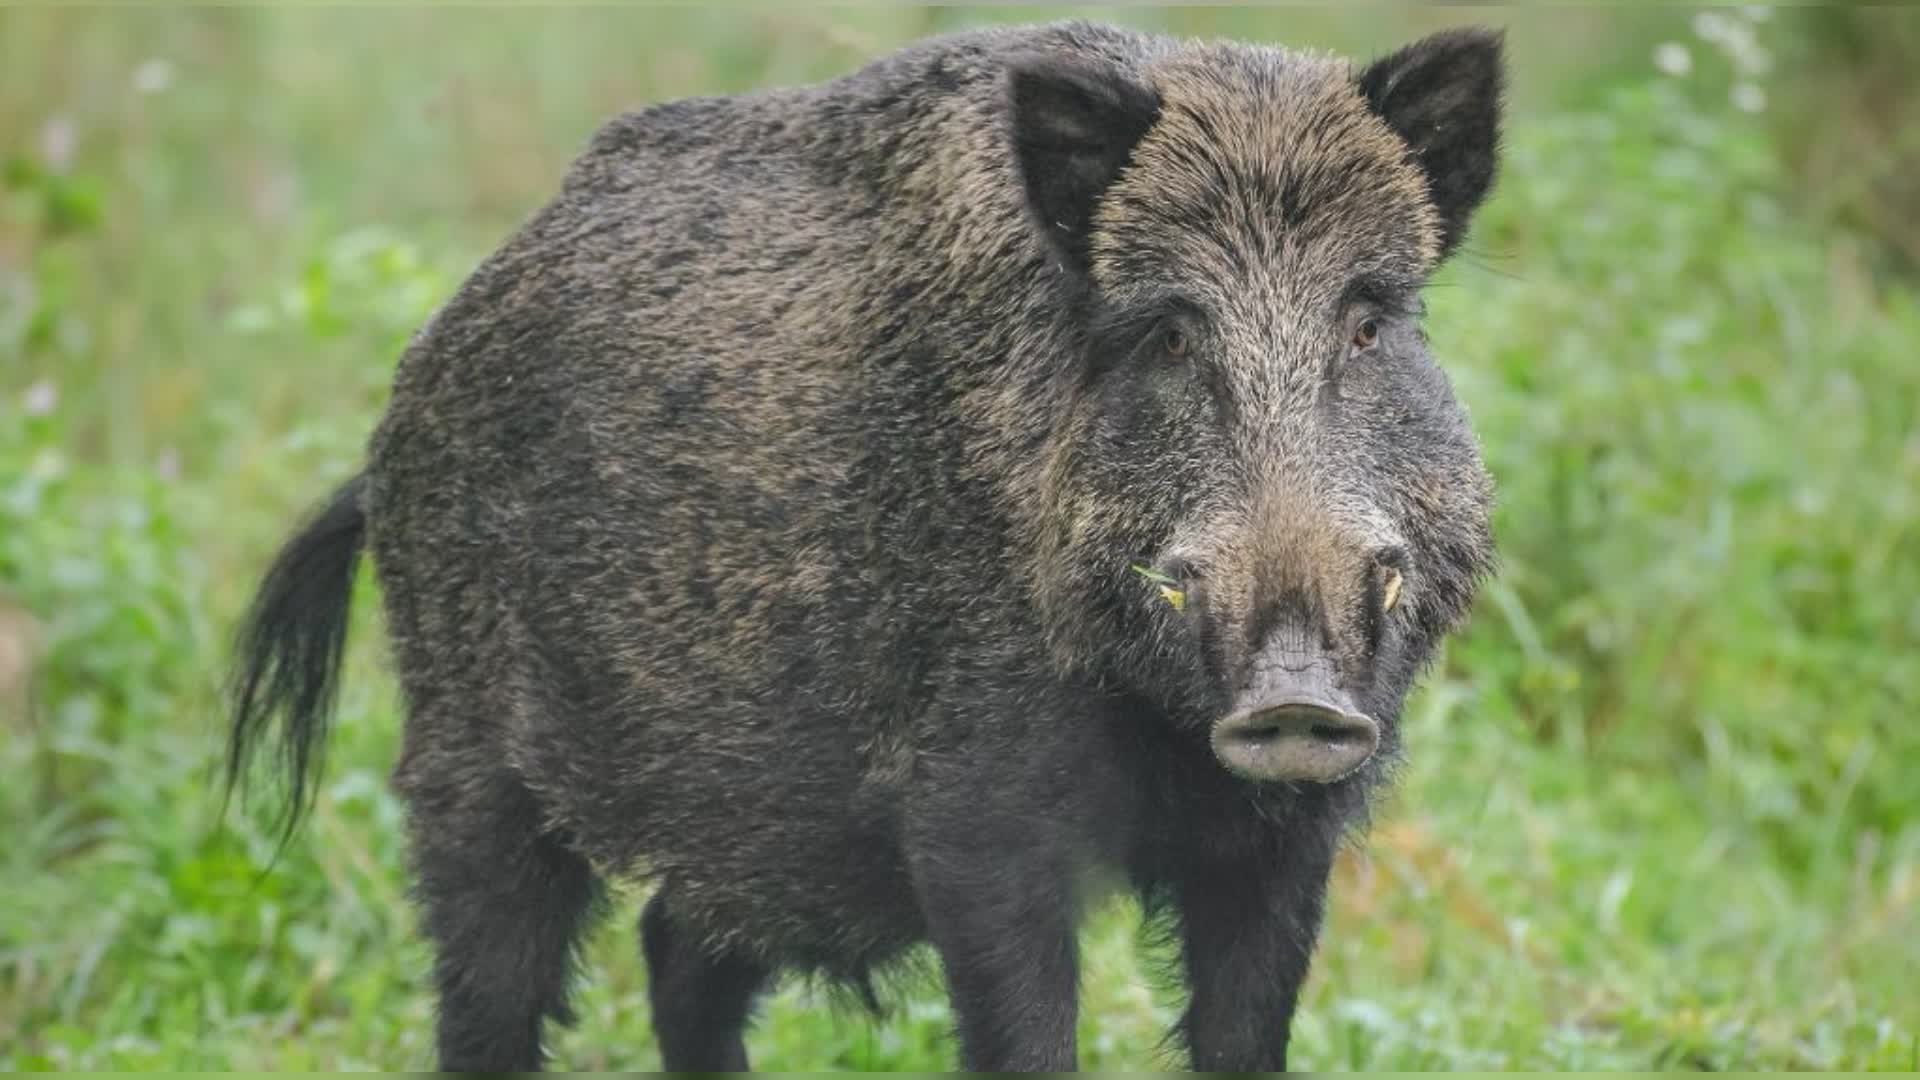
[897,509]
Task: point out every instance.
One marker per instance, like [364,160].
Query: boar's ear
[1442,95]
[1074,123]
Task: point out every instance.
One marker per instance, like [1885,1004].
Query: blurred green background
[1661,806]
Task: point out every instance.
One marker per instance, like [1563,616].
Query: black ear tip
[1488,48]
[1039,71]
[1024,73]
[1468,46]
[1463,56]
[1485,40]
[1491,37]
[1074,85]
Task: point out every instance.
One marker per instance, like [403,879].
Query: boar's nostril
[1261,733]
[1339,733]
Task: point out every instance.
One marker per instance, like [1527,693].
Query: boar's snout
[1296,740]
[1295,726]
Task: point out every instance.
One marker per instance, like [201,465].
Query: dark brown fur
[758,520]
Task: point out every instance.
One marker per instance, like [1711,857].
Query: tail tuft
[290,648]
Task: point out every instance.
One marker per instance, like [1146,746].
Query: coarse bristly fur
[760,519]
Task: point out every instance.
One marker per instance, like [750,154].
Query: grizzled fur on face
[1265,211]
[894,510]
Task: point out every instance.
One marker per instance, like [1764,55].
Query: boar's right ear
[1074,124]
[1442,95]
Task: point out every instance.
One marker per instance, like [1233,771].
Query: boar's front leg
[1248,934]
[701,996]
[994,888]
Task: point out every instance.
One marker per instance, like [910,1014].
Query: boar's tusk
[1169,587]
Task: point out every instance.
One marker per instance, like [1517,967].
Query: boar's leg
[504,904]
[1248,932]
[701,999]
[996,897]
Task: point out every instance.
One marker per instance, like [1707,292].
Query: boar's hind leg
[701,999]
[504,904]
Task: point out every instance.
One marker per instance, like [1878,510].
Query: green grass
[1660,809]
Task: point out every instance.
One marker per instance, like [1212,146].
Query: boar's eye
[1173,342]
[1366,335]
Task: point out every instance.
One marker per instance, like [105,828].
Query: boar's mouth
[1302,738]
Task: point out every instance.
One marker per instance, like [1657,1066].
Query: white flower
[1710,25]
[40,398]
[1756,60]
[1672,58]
[57,140]
[1749,98]
[1744,49]
[153,76]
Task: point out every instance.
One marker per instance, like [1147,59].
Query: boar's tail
[290,648]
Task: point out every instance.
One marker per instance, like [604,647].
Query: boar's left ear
[1442,95]
[1074,124]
